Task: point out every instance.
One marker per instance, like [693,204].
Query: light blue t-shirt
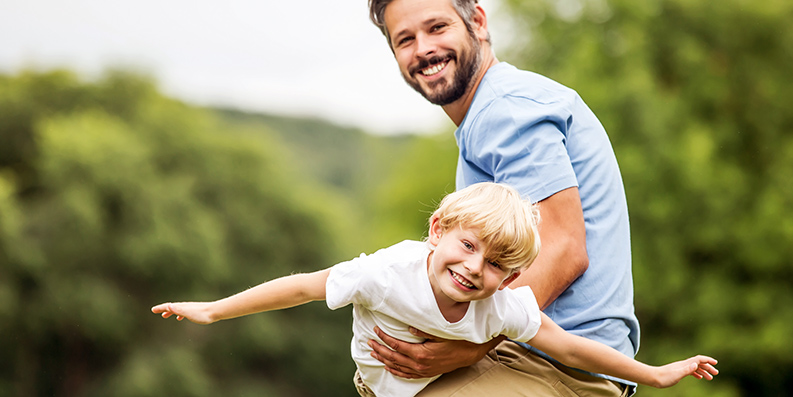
[539,136]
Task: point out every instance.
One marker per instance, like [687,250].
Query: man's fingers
[385,355]
[379,349]
[395,362]
[393,343]
[422,334]
[392,365]
[401,374]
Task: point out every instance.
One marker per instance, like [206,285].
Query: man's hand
[434,356]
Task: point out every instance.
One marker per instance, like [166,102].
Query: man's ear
[436,231]
[507,281]
[480,23]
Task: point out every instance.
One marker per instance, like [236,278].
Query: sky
[316,58]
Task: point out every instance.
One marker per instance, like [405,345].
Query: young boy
[453,286]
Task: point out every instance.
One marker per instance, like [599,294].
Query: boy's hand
[700,367]
[197,312]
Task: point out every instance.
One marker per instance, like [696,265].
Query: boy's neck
[455,312]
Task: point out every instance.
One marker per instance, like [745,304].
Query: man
[525,130]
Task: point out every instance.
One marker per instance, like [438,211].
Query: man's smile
[432,70]
[429,67]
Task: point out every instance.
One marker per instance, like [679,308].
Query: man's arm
[563,256]
[280,293]
[432,357]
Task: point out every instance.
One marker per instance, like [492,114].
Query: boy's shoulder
[403,252]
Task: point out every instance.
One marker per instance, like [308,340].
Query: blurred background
[188,150]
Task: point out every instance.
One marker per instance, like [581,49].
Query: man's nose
[425,46]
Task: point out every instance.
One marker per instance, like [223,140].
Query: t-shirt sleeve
[523,144]
[359,281]
[526,320]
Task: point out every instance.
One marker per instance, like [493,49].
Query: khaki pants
[509,370]
[363,390]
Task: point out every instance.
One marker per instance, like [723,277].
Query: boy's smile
[461,280]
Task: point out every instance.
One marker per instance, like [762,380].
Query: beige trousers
[509,370]
[363,390]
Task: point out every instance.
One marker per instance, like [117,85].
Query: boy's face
[458,269]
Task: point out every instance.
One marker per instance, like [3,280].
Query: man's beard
[467,67]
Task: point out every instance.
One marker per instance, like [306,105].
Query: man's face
[436,54]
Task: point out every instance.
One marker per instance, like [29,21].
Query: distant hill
[342,157]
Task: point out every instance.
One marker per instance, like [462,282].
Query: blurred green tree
[695,97]
[416,180]
[114,198]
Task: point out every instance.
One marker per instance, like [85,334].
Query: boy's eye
[468,245]
[495,264]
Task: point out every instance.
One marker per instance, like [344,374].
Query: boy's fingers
[162,307]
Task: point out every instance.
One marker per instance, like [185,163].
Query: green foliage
[694,96]
[118,199]
[416,182]
[393,182]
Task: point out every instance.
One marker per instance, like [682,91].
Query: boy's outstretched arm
[578,352]
[280,293]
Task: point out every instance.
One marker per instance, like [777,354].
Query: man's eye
[438,27]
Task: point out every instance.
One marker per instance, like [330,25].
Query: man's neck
[458,109]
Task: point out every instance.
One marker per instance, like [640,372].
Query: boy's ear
[435,231]
[507,281]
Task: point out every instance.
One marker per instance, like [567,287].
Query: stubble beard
[443,92]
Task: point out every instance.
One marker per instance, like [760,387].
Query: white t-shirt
[391,289]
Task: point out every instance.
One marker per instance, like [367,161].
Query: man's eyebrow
[426,22]
[434,20]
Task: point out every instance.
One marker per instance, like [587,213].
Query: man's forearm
[551,276]
[563,256]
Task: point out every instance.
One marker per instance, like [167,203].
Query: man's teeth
[433,70]
[462,281]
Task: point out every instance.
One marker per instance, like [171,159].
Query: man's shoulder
[504,80]
[508,95]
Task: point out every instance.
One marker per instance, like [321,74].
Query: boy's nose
[475,266]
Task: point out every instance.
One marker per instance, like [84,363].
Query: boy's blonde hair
[506,223]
